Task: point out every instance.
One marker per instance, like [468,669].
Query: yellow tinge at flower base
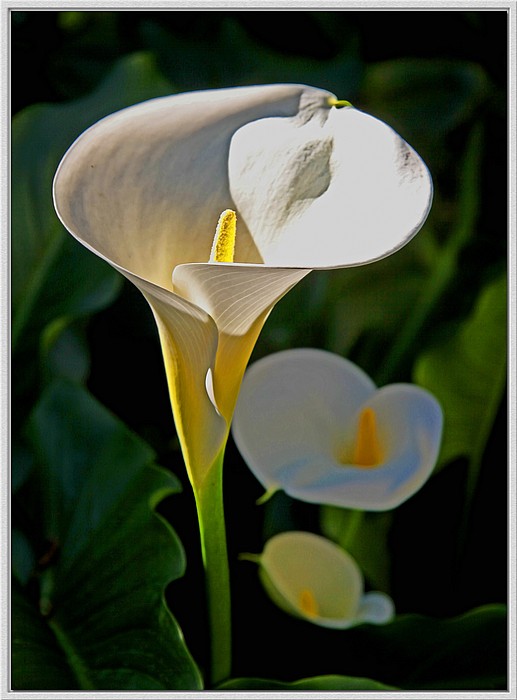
[144,189]
[308,603]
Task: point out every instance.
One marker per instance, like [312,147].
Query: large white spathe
[310,577]
[297,425]
[333,191]
[313,187]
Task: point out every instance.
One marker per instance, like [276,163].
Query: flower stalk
[210,510]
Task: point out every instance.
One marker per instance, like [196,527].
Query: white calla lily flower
[315,425]
[313,186]
[310,577]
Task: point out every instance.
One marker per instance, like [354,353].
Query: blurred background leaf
[53,279]
[428,98]
[466,372]
[37,236]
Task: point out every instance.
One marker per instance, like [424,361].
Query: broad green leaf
[317,683]
[101,596]
[365,537]
[424,98]
[52,275]
[468,652]
[467,374]
[413,653]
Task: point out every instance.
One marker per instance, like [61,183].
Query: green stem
[210,509]
[355,520]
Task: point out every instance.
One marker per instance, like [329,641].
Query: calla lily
[313,186]
[310,577]
[315,425]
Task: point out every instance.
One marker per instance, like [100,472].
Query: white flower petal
[296,420]
[336,188]
[144,187]
[297,564]
[189,339]
[376,608]
[293,410]
[298,561]
[239,298]
[409,423]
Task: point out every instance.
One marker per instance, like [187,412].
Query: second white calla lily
[310,577]
[315,425]
[313,186]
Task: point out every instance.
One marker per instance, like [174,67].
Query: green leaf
[365,537]
[51,274]
[445,268]
[413,653]
[468,652]
[37,661]
[64,351]
[424,97]
[317,683]
[467,374]
[378,302]
[110,558]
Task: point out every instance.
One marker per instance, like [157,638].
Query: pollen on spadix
[223,247]
[367,451]
[307,603]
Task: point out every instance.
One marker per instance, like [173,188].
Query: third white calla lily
[315,425]
[310,577]
[313,186]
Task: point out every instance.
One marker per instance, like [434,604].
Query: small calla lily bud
[315,425]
